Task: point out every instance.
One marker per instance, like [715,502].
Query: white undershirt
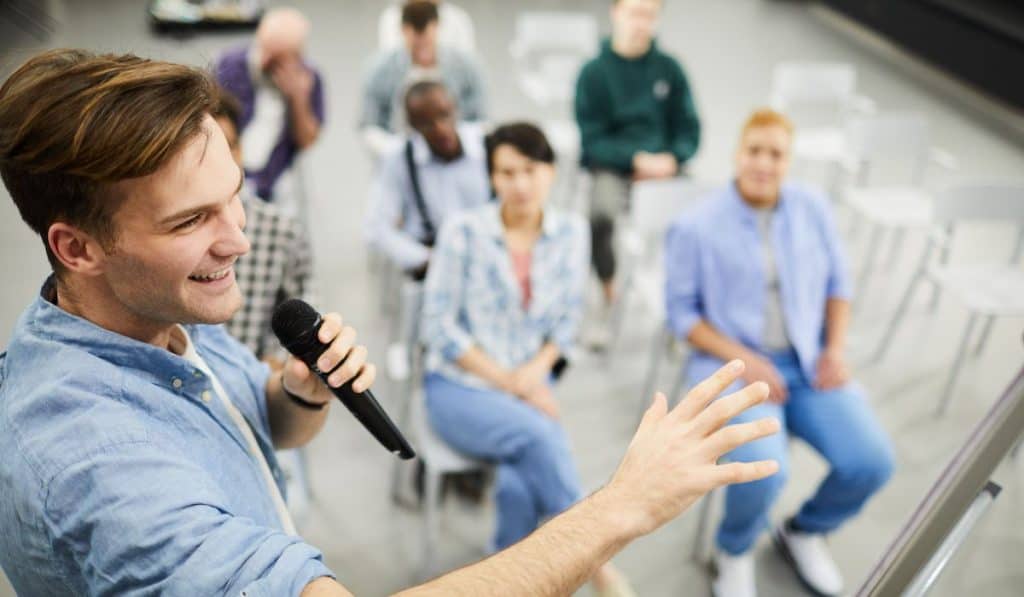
[188,352]
[268,116]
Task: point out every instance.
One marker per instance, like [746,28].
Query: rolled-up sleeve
[683,305]
[443,293]
[574,278]
[171,534]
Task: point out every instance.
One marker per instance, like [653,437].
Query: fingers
[338,350]
[366,378]
[729,438]
[742,472]
[329,328]
[703,393]
[722,411]
[655,412]
[349,368]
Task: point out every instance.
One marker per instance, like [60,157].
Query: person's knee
[869,468]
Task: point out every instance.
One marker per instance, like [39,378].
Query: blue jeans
[838,424]
[536,474]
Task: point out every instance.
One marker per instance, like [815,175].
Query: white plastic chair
[987,289]
[654,204]
[438,460]
[548,49]
[819,97]
[889,155]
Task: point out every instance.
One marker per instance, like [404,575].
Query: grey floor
[728,49]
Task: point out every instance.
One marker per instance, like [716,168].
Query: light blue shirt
[120,476]
[472,297]
[715,272]
[393,224]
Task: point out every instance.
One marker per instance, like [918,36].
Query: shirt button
[176,383]
[207,396]
[197,373]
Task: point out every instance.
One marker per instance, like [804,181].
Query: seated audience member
[392,72]
[438,171]
[757,272]
[278,265]
[637,121]
[281,94]
[454,30]
[503,301]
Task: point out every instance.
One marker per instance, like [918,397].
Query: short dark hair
[422,87]
[418,14]
[73,123]
[227,106]
[525,137]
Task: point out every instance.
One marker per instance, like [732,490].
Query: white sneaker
[810,557]
[734,575]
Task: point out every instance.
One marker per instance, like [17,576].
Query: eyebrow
[198,208]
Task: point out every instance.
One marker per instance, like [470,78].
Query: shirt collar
[47,321]
[746,212]
[469,137]
[496,228]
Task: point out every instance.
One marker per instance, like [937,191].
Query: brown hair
[228,106]
[418,14]
[763,117]
[73,123]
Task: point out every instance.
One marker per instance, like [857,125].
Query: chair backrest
[548,49]
[893,144]
[553,29]
[981,201]
[654,204]
[822,88]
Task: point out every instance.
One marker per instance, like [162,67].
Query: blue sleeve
[443,292]
[318,98]
[683,305]
[139,518]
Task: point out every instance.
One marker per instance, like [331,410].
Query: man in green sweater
[637,122]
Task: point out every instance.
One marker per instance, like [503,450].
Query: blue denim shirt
[472,298]
[715,272]
[118,478]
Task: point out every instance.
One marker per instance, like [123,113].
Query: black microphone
[296,325]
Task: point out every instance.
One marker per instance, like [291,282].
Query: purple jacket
[232,73]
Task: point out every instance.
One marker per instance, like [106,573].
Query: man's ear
[76,249]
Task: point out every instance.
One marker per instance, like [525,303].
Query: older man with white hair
[281,95]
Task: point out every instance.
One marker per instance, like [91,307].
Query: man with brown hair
[138,438]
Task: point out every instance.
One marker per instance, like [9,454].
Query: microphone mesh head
[294,320]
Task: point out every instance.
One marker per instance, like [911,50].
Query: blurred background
[955,65]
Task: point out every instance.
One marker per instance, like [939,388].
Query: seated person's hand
[543,400]
[648,166]
[761,369]
[526,378]
[833,372]
[292,78]
[342,348]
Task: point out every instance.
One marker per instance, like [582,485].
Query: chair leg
[985,331]
[662,337]
[617,317]
[936,290]
[701,550]
[868,267]
[901,309]
[431,521]
[958,364]
[896,247]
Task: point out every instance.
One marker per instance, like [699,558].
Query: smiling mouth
[217,275]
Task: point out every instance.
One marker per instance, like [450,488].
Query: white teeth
[213,276]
